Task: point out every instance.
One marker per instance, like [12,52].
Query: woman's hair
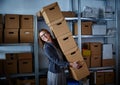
[41,42]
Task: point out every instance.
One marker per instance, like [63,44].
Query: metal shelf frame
[16,48]
[79,36]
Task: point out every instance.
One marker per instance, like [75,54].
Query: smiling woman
[57,64]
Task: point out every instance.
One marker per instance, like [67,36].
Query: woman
[57,64]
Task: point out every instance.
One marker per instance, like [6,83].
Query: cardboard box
[1,67]
[1,35]
[68,13]
[96,48]
[26,36]
[87,60]
[75,55]
[43,81]
[86,45]
[81,73]
[26,22]
[60,27]
[66,42]
[99,29]
[96,61]
[25,82]
[11,36]
[23,56]
[75,29]
[10,66]
[1,19]
[109,77]
[1,26]
[108,62]
[51,13]
[86,28]
[11,21]
[25,63]
[99,78]
[11,56]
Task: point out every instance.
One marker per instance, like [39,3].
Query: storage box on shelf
[25,61]
[1,19]
[1,67]
[26,35]
[11,35]
[68,13]
[26,29]
[12,21]
[26,21]
[99,80]
[104,77]
[1,28]
[107,55]
[10,64]
[86,28]
[1,35]
[11,31]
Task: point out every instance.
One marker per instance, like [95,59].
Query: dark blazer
[56,65]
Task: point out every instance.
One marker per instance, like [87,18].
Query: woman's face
[45,36]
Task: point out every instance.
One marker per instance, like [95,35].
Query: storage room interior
[93,25]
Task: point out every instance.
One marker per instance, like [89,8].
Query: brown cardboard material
[11,36]
[68,14]
[1,35]
[66,42]
[86,28]
[96,61]
[26,36]
[74,55]
[51,13]
[10,66]
[11,56]
[108,62]
[60,27]
[100,78]
[87,60]
[80,73]
[109,77]
[1,19]
[27,63]
[96,48]
[11,21]
[23,56]
[26,21]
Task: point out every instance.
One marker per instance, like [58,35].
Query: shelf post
[36,66]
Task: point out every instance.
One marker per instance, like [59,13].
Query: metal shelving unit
[16,48]
[23,48]
[80,37]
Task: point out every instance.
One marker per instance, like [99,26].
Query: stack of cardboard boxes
[11,28]
[16,63]
[26,29]
[58,25]
[18,28]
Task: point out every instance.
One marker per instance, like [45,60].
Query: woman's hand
[76,64]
